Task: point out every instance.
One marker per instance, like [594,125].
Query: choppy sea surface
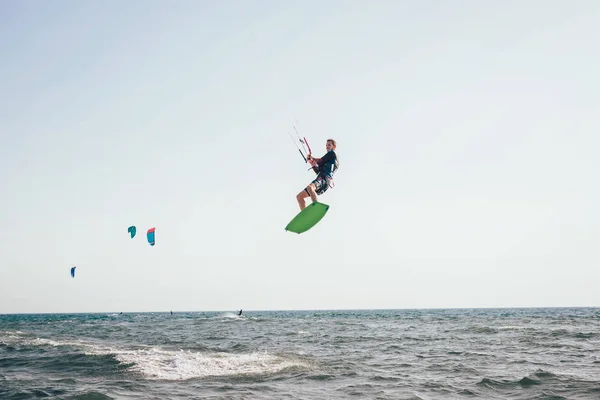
[551,353]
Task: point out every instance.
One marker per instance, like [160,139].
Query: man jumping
[325,167]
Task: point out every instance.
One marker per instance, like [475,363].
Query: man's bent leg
[300,197]
[312,192]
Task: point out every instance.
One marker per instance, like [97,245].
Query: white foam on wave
[164,364]
[10,337]
[510,328]
[229,315]
[25,339]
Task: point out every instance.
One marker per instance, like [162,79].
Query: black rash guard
[327,165]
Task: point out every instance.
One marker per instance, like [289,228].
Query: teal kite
[150,236]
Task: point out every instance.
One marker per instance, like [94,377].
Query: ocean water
[363,354]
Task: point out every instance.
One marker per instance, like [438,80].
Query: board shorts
[321,184]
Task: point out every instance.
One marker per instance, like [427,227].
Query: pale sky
[467,136]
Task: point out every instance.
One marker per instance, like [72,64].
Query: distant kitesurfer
[240,312]
[325,167]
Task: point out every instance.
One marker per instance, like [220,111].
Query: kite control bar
[307,150]
[305,145]
[299,151]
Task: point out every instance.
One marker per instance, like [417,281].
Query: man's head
[330,145]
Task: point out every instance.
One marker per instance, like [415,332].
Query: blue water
[367,354]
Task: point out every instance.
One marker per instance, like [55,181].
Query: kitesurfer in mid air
[325,167]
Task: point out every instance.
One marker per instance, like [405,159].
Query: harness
[332,166]
[329,176]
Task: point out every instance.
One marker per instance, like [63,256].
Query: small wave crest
[536,378]
[21,339]
[91,395]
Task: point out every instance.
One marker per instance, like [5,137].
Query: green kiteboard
[307,218]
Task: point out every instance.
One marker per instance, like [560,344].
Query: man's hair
[332,142]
